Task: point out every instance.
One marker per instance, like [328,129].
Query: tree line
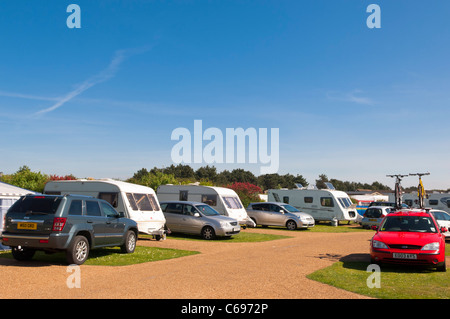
[208,175]
[24,177]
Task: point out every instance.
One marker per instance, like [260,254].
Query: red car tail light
[58,223]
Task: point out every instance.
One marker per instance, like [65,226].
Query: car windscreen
[420,224]
[207,210]
[290,208]
[36,205]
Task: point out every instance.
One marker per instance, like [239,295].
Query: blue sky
[350,102]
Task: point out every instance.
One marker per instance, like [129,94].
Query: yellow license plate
[31,226]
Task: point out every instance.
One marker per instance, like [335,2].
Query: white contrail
[103,76]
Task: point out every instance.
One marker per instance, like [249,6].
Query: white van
[224,200]
[322,205]
[432,200]
[137,202]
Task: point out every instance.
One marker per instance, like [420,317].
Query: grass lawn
[325,227]
[396,282]
[113,256]
[242,237]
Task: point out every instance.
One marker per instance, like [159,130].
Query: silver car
[198,219]
[279,214]
[374,215]
[443,220]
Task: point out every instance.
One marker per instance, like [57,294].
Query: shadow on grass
[362,261]
[198,237]
[42,259]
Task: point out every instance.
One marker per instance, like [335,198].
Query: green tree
[320,183]
[180,171]
[25,178]
[206,173]
[152,179]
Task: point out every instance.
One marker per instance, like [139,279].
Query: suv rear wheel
[78,251]
[130,242]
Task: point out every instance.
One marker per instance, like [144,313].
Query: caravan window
[145,202]
[326,201]
[232,202]
[111,198]
[132,201]
[210,200]
[153,201]
[345,202]
[308,200]
[433,202]
[277,198]
[286,199]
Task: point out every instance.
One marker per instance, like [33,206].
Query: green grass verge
[242,237]
[113,256]
[396,282]
[325,227]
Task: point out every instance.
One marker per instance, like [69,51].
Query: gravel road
[272,270]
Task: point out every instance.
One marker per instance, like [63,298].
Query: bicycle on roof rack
[420,189]
[398,189]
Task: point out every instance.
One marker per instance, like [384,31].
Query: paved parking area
[272,269]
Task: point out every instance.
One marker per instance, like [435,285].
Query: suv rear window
[36,204]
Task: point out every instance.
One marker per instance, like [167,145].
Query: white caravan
[322,205]
[432,200]
[222,199]
[137,202]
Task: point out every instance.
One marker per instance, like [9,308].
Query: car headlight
[379,244]
[431,246]
[224,224]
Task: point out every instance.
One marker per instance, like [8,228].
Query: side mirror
[281,211]
[374,227]
[120,215]
[196,215]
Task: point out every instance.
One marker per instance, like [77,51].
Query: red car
[410,237]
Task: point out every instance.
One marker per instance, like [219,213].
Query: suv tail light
[58,223]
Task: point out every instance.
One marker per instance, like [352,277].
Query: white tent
[8,195]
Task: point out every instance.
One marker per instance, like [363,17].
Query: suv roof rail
[79,195]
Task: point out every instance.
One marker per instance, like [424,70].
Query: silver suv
[198,219]
[71,223]
[279,214]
